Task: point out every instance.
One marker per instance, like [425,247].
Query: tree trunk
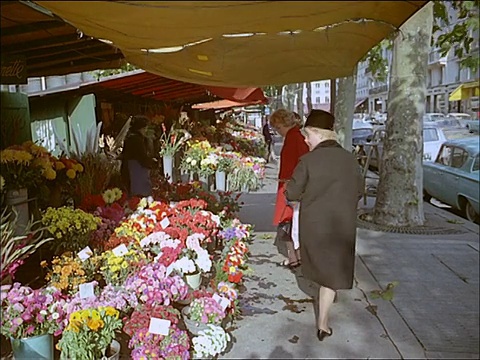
[309,97]
[344,109]
[333,95]
[300,100]
[278,97]
[399,195]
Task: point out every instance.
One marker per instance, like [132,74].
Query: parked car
[461,117]
[433,116]
[473,126]
[362,132]
[433,138]
[454,177]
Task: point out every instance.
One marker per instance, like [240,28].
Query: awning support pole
[333,95]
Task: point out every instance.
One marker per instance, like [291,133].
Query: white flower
[55,316]
[194,162]
[184,265]
[43,312]
[188,160]
[210,342]
[203,261]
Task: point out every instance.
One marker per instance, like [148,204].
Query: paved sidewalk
[434,312]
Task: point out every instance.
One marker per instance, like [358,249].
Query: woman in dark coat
[327,182]
[136,160]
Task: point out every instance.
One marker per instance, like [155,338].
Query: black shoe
[323,334]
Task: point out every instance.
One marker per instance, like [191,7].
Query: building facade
[444,76]
[320,94]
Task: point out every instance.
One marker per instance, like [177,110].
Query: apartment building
[320,95]
[445,76]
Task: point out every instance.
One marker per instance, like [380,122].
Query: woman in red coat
[294,146]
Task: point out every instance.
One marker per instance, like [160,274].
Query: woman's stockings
[325,300]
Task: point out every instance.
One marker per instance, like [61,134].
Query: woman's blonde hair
[282,117]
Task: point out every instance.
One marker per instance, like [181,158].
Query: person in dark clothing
[268,137]
[136,160]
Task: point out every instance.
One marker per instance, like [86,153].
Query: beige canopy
[239,43]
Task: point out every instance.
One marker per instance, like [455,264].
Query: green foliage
[461,33]
[459,37]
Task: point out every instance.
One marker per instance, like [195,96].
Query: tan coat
[327,182]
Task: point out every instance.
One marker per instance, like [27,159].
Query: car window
[430,134]
[444,156]
[476,164]
[459,157]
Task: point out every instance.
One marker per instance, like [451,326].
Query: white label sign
[165,223]
[86,290]
[224,302]
[159,326]
[120,250]
[169,270]
[85,253]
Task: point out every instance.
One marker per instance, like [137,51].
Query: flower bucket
[36,347]
[204,179]
[115,350]
[168,167]
[193,326]
[245,188]
[18,200]
[193,280]
[221,180]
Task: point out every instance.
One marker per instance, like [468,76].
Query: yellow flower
[59,165]
[109,196]
[95,315]
[95,324]
[50,174]
[71,173]
[2,183]
[78,167]
[111,311]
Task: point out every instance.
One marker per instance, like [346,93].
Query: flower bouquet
[70,227]
[27,312]
[206,310]
[153,287]
[115,269]
[210,342]
[18,170]
[172,141]
[90,333]
[115,296]
[146,345]
[15,249]
[67,272]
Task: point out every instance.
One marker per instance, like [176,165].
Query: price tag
[224,302]
[159,326]
[165,223]
[85,253]
[120,250]
[86,290]
[169,270]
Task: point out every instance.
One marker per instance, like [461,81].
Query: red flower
[235,278]
[133,203]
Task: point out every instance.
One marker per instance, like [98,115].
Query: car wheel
[426,196]
[470,212]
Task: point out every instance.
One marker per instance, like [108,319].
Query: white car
[461,117]
[433,117]
[433,138]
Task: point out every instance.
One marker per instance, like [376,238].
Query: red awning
[224,104]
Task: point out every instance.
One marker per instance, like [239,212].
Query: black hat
[320,119]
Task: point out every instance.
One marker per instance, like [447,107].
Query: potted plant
[170,143]
[15,249]
[90,335]
[174,345]
[210,342]
[30,318]
[225,164]
[70,227]
[200,312]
